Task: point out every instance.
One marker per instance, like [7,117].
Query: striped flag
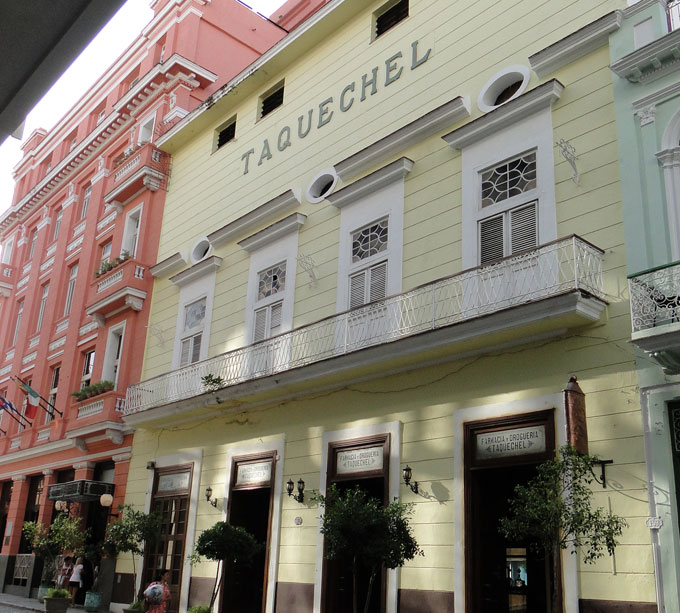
[32,396]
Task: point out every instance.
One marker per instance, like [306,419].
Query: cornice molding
[370,183]
[204,267]
[642,5]
[169,265]
[255,218]
[451,112]
[651,61]
[576,45]
[289,224]
[511,112]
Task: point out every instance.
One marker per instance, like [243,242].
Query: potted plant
[554,511]
[47,543]
[57,600]
[200,608]
[224,542]
[128,534]
[359,529]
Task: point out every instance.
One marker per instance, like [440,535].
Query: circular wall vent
[322,185]
[201,250]
[503,87]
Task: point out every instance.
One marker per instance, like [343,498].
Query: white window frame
[31,248]
[128,244]
[532,132]
[86,378]
[105,256]
[197,289]
[384,203]
[111,364]
[7,251]
[284,249]
[70,288]
[17,322]
[57,223]
[87,195]
[189,334]
[52,397]
[43,304]
[146,131]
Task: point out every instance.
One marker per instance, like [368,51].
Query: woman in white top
[75,581]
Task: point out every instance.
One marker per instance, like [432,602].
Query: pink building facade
[77,246]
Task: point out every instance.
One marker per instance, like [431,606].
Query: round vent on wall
[201,250]
[322,185]
[503,87]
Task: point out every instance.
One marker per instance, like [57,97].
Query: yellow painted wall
[470,42]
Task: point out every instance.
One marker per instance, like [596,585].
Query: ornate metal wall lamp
[209,498]
[407,474]
[300,488]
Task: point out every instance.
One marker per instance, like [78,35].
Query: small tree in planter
[224,543]
[130,533]
[48,543]
[359,529]
[57,600]
[554,511]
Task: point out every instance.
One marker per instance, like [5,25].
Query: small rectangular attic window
[226,132]
[271,100]
[390,15]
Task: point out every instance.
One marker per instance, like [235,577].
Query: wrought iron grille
[655,297]
[23,565]
[675,427]
[564,265]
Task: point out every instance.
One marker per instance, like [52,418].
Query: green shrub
[137,605]
[199,608]
[54,592]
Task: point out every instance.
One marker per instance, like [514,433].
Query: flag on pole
[12,411]
[32,396]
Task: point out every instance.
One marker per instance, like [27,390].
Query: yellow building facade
[391,241]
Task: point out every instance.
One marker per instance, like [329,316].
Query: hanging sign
[510,443]
[359,460]
[250,474]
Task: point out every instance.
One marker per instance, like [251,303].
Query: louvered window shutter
[357,289]
[186,352]
[260,325]
[491,239]
[523,231]
[196,348]
[275,318]
[378,287]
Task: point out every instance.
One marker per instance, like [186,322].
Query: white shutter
[260,328]
[378,286]
[523,231]
[196,348]
[186,352]
[357,289]
[491,239]
[275,319]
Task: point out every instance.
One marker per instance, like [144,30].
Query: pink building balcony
[7,279]
[97,418]
[125,286]
[142,168]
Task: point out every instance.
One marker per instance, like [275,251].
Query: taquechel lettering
[367,87]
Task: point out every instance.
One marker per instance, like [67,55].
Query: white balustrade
[127,167]
[552,269]
[109,281]
[92,408]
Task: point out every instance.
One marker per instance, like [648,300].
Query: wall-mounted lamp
[407,474]
[208,496]
[106,500]
[63,506]
[603,475]
[300,488]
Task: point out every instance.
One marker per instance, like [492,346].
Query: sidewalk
[18,604]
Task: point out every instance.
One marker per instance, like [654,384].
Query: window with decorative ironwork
[271,281]
[369,241]
[511,178]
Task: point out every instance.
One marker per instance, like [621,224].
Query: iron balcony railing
[564,265]
[655,297]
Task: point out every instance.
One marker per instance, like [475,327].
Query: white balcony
[535,294]
[655,314]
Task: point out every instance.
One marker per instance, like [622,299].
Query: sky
[101,53]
